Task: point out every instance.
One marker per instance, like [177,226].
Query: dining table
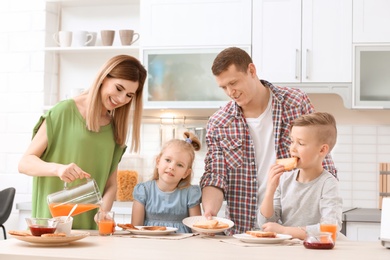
[124,245]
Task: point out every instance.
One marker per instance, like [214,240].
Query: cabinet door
[371,21]
[276,48]
[195,22]
[362,231]
[298,41]
[327,41]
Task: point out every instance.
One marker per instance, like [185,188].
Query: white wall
[363,141]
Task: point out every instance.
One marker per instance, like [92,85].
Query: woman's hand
[71,172]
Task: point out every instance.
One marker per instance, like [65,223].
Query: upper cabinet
[70,69]
[371,21]
[303,41]
[182,23]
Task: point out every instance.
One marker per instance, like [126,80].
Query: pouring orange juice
[86,195]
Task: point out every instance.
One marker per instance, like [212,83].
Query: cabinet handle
[297,64]
[307,64]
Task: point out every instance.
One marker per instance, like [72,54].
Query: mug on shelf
[93,41]
[107,37]
[81,38]
[63,38]
[128,37]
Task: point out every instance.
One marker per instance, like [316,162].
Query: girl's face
[305,146]
[117,92]
[173,165]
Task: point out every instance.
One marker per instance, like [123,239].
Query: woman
[85,137]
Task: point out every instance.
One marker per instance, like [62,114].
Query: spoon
[71,211]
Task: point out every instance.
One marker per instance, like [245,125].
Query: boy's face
[305,146]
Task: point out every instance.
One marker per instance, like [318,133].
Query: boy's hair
[231,56]
[190,144]
[325,124]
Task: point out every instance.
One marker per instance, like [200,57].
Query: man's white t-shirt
[262,133]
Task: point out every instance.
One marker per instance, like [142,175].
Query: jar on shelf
[130,172]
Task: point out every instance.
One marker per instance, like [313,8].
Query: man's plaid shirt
[230,160]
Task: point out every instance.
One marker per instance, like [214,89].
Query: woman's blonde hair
[190,144]
[127,68]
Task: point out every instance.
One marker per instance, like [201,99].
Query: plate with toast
[262,237]
[148,230]
[48,239]
[203,225]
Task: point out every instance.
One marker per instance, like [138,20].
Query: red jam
[37,230]
[317,245]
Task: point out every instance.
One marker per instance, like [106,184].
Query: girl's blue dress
[166,208]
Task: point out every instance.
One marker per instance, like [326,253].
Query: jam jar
[320,240]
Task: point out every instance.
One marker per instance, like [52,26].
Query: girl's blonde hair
[190,144]
[127,68]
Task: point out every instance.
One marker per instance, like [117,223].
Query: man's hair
[231,56]
[325,125]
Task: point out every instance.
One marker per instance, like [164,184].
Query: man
[245,137]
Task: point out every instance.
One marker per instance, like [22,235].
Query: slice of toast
[206,224]
[154,228]
[128,226]
[259,233]
[288,163]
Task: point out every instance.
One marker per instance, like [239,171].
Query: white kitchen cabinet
[371,21]
[72,68]
[371,76]
[186,23]
[303,41]
[363,231]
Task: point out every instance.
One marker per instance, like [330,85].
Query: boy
[298,199]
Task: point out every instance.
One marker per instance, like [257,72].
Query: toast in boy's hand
[258,233]
[288,163]
[210,224]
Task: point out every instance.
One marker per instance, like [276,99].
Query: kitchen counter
[196,247]
[362,215]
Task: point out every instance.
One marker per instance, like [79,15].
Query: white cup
[64,226]
[63,38]
[81,38]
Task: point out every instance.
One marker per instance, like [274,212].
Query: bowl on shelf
[40,226]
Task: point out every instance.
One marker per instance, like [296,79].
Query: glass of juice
[106,222]
[329,224]
[86,194]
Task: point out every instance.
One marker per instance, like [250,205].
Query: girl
[86,137]
[169,197]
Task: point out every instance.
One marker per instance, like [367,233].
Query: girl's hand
[71,172]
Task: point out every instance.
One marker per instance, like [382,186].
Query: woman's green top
[69,141]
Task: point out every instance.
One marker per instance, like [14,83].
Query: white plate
[190,221]
[168,231]
[53,241]
[262,240]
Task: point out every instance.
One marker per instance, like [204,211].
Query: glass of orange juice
[329,224]
[106,222]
